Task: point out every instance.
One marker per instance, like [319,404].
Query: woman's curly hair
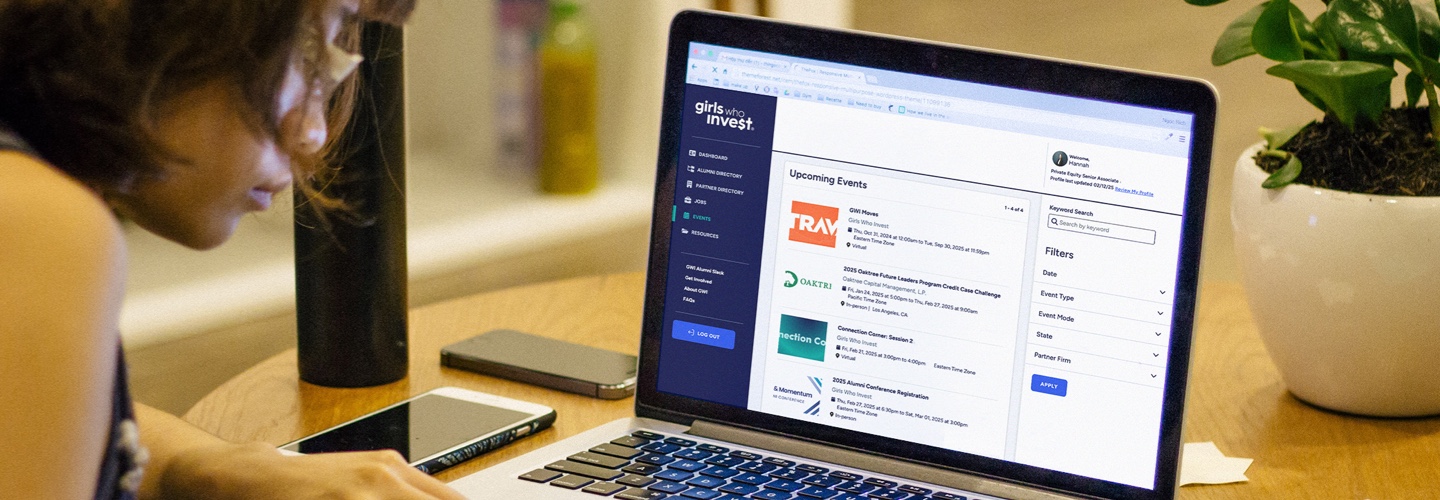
[82,81]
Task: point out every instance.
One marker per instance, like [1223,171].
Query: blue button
[1048,385]
[702,334]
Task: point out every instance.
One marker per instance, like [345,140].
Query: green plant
[1342,61]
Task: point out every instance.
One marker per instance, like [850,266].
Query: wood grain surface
[1236,400]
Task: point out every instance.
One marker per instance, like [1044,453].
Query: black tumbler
[350,269]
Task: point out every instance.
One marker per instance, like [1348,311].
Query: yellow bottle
[569,158]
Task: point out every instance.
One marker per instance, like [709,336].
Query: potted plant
[1337,222]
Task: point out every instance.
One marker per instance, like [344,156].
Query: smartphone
[434,430]
[545,362]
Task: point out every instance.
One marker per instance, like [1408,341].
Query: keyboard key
[635,480]
[783,485]
[701,494]
[813,492]
[686,443]
[647,435]
[654,459]
[855,487]
[725,461]
[888,494]
[914,490]
[687,465]
[772,495]
[571,481]
[712,448]
[730,497]
[616,450]
[880,482]
[540,475]
[668,487]
[741,489]
[848,496]
[822,481]
[750,478]
[848,476]
[640,494]
[940,495]
[603,489]
[812,469]
[705,482]
[642,469]
[629,441]
[757,467]
[720,472]
[661,448]
[599,460]
[589,471]
[789,474]
[745,455]
[692,454]
[674,475]
[778,462]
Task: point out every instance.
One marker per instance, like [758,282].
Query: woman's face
[230,169]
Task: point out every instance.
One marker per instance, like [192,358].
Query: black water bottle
[350,269]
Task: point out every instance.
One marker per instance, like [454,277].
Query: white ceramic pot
[1345,289]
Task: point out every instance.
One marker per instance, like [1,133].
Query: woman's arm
[61,281]
[186,462]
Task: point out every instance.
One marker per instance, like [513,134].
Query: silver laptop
[890,269]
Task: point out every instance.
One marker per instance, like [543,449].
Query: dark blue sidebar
[715,244]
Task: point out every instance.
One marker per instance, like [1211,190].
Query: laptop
[885,268]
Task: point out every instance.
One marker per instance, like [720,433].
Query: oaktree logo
[1060,158]
[802,337]
[791,280]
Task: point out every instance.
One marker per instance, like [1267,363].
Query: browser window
[974,268]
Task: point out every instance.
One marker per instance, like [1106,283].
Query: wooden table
[1237,398]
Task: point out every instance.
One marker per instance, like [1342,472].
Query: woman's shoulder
[53,212]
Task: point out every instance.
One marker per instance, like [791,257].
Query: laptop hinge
[874,463]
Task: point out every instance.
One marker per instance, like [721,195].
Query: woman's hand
[258,471]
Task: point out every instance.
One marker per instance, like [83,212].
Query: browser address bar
[957,105]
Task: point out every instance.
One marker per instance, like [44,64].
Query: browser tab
[759,62]
[829,73]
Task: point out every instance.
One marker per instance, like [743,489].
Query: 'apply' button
[1048,385]
[703,334]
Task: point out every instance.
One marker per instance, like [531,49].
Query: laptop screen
[970,267]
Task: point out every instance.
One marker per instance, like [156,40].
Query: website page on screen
[975,268]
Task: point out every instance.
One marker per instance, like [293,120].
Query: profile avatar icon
[1060,158]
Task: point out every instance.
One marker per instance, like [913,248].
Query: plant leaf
[1274,35]
[1204,2]
[1275,139]
[1284,176]
[1428,24]
[1382,27]
[1351,90]
[1414,88]
[1235,43]
[1313,99]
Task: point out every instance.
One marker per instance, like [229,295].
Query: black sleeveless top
[124,459]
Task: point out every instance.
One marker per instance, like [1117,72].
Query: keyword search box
[1105,229]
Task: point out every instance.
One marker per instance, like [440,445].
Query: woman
[181,116]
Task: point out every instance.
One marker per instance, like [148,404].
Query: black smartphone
[434,430]
[545,362]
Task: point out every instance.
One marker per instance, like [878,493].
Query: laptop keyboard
[650,466]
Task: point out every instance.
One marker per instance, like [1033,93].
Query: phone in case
[435,430]
[545,362]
